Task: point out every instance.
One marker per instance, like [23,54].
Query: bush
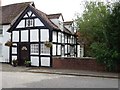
[104,55]
[27,63]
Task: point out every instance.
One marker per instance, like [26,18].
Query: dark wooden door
[24,53]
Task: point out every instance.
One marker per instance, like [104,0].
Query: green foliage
[99,27]
[91,24]
[105,55]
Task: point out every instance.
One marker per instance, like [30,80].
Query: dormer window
[29,22]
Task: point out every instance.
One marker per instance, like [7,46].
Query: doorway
[24,53]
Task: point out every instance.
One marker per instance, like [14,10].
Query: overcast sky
[69,8]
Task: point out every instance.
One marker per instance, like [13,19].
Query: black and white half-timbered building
[37,36]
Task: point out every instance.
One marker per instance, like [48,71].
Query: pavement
[9,68]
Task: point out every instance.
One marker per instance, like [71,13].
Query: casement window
[44,49]
[29,22]
[34,48]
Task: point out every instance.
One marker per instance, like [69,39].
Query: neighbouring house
[36,36]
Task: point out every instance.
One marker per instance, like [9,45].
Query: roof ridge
[55,14]
[18,3]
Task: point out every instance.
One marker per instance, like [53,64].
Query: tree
[91,24]
[103,35]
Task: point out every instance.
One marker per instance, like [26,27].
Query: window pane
[29,22]
[34,48]
[44,49]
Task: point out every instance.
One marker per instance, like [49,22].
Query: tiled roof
[10,13]
[68,23]
[53,16]
[44,16]
[66,31]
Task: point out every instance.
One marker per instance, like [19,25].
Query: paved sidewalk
[73,72]
[10,68]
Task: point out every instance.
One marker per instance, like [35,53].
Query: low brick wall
[77,63]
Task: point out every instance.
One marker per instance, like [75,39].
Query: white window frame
[29,23]
[44,50]
[34,48]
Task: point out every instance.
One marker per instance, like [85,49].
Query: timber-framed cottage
[36,36]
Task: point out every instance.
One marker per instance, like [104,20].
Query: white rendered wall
[63,38]
[59,37]
[15,36]
[45,61]
[38,22]
[54,49]
[14,50]
[34,35]
[59,50]
[21,24]
[3,39]
[65,48]
[34,60]
[44,34]
[80,51]
[54,36]
[24,36]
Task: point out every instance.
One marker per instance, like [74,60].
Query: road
[39,80]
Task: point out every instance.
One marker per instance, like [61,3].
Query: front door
[24,53]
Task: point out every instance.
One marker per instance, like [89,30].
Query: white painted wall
[65,48]
[15,36]
[80,51]
[54,36]
[59,49]
[62,51]
[3,39]
[54,49]
[59,37]
[34,35]
[38,22]
[21,24]
[44,34]
[24,36]
[14,50]
[63,38]
[45,61]
[34,61]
